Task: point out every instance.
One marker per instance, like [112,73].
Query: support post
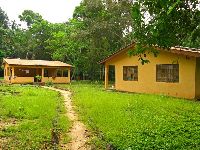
[69,74]
[13,74]
[5,73]
[106,76]
[42,74]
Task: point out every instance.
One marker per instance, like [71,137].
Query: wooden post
[106,76]
[42,74]
[69,73]
[5,72]
[13,74]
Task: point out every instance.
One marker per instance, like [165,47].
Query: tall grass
[137,121]
[38,112]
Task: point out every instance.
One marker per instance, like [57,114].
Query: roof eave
[37,65]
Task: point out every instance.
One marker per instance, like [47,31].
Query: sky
[55,11]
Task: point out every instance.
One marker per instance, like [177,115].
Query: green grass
[137,121]
[38,112]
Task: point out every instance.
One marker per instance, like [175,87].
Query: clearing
[31,117]
[35,118]
[136,121]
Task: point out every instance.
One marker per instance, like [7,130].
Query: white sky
[55,11]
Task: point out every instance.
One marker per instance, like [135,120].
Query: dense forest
[98,28]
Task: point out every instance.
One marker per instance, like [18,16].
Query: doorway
[38,75]
[111,77]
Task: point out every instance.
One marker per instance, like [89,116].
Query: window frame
[23,72]
[46,72]
[125,78]
[168,73]
[59,71]
[65,72]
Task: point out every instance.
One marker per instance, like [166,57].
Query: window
[130,73]
[24,72]
[65,73]
[46,73]
[59,73]
[167,73]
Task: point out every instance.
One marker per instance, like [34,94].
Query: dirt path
[78,132]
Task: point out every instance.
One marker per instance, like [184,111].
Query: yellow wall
[16,79]
[22,80]
[56,79]
[147,75]
[6,77]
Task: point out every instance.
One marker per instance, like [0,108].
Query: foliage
[49,83]
[38,78]
[166,23]
[30,17]
[4,35]
[34,110]
[103,30]
[137,121]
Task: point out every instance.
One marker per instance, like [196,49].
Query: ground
[137,121]
[35,117]
[31,117]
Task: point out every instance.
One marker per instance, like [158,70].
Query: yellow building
[30,71]
[174,72]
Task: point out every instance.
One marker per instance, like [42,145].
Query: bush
[49,83]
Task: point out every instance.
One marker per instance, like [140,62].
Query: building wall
[56,79]
[147,75]
[22,80]
[6,76]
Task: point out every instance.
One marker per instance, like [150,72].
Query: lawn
[31,117]
[137,121]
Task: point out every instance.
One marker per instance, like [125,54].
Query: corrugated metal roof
[194,52]
[25,62]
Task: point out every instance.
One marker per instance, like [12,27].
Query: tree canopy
[166,23]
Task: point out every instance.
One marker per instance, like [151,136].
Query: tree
[5,35]
[104,25]
[67,48]
[165,23]
[31,42]
[30,17]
